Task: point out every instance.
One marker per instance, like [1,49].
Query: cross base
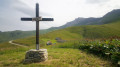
[34,55]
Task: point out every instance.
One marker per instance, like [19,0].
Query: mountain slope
[81,21]
[79,32]
[111,16]
[88,31]
[11,35]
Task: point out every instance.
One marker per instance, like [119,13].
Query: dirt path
[11,42]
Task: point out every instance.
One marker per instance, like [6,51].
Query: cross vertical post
[37,27]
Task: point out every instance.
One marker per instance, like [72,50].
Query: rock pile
[34,55]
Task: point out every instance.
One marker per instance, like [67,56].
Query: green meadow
[13,56]
[83,47]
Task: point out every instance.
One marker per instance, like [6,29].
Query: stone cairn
[34,55]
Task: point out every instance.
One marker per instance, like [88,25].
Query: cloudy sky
[62,11]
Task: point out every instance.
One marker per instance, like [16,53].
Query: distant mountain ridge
[112,16]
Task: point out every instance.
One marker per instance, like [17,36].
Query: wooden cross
[37,19]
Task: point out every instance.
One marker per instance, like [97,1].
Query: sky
[62,11]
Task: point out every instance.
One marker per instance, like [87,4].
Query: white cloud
[61,10]
[96,1]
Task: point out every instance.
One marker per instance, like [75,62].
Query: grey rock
[34,55]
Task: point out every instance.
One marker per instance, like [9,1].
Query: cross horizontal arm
[26,19]
[31,19]
[47,19]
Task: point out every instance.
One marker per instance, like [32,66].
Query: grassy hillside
[87,31]
[12,35]
[105,31]
[99,31]
[13,56]
[79,32]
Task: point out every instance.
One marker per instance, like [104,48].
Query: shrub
[108,48]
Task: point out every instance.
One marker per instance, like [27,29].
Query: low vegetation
[109,49]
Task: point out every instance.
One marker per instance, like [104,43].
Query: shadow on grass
[26,62]
[32,64]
